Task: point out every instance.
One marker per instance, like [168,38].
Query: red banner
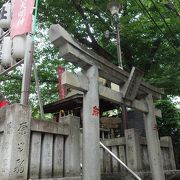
[62,89]
[22,17]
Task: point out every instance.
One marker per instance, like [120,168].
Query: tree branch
[94,44]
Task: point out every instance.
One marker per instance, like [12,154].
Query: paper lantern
[6,52]
[18,47]
[5,16]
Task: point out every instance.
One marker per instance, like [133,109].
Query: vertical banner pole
[28,59]
[35,68]
[38,90]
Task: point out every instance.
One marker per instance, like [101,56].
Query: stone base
[170,175]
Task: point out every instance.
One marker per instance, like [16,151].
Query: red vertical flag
[22,17]
[62,89]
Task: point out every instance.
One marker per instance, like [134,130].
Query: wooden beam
[131,87]
[68,79]
[73,51]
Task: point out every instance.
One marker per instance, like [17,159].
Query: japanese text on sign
[22,17]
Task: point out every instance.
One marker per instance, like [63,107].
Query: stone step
[170,175]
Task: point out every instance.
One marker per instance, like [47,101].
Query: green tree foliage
[169,124]
[149,34]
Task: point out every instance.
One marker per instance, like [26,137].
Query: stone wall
[132,150]
[36,149]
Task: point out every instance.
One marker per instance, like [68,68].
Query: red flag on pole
[22,17]
[62,89]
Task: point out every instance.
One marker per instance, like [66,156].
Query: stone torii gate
[133,93]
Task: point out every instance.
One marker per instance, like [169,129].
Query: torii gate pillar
[91,149]
[153,143]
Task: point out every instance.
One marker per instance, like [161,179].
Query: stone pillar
[133,149]
[91,147]
[15,142]
[154,151]
[171,151]
[72,146]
